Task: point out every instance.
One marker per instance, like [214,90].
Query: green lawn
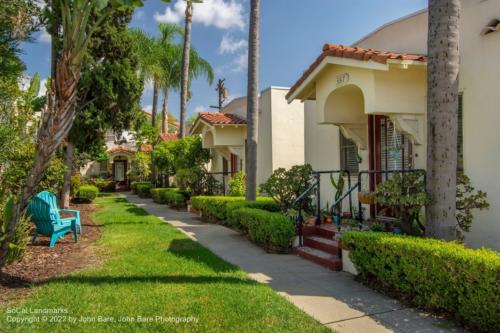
[154,271]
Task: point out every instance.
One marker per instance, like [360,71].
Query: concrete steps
[320,247]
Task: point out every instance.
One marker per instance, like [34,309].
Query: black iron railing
[347,192]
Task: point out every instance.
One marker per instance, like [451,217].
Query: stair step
[319,257]
[321,243]
[324,230]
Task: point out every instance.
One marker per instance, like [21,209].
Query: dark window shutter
[348,155]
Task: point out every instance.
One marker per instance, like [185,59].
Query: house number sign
[342,78]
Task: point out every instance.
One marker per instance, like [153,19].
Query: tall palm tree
[169,60]
[171,64]
[149,50]
[442,117]
[253,101]
[185,63]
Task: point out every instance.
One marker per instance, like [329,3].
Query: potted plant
[367,197]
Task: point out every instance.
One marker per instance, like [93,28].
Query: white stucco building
[368,102]
[281,134]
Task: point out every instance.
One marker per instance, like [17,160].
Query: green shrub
[144,190]
[435,275]
[105,185]
[273,231]
[237,185]
[157,195]
[17,247]
[285,186]
[213,208]
[171,196]
[133,185]
[266,204]
[87,193]
[75,183]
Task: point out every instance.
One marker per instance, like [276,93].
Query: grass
[154,271]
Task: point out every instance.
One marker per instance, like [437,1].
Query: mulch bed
[40,263]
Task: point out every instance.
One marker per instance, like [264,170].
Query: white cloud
[240,63]
[231,45]
[148,108]
[44,36]
[223,14]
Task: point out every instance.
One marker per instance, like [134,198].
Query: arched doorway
[120,171]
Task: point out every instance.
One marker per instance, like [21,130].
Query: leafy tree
[253,100]
[189,152]
[109,92]
[58,117]
[237,185]
[141,166]
[442,117]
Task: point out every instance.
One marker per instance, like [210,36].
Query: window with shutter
[460,136]
[348,155]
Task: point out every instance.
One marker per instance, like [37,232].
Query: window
[460,136]
[234,163]
[225,166]
[395,148]
[348,155]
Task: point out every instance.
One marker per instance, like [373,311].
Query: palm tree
[77,31]
[253,101]
[442,108]
[150,68]
[171,64]
[185,63]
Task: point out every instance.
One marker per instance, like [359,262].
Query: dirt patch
[42,263]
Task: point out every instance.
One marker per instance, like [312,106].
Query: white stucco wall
[479,73]
[287,130]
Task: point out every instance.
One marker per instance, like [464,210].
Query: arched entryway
[120,171]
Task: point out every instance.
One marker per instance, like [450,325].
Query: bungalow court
[281,135]
[365,107]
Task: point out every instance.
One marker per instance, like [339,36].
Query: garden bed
[41,263]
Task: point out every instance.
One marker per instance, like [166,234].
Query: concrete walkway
[333,298]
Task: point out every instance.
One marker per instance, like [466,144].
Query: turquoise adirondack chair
[49,224]
[51,199]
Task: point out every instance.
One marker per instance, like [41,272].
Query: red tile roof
[221,118]
[122,149]
[169,136]
[356,53]
[146,148]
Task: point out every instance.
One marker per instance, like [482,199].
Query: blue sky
[292,35]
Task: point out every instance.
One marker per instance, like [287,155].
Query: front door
[119,171]
[389,150]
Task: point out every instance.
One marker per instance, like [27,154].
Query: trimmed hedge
[133,186]
[273,231]
[144,190]
[105,185]
[215,208]
[432,274]
[171,196]
[266,204]
[87,193]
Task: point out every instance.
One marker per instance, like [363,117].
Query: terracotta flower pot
[366,198]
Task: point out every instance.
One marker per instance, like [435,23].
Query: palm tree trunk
[185,67]
[253,101]
[154,109]
[56,123]
[65,195]
[442,123]
[164,112]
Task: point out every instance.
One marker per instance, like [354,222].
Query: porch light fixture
[492,26]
